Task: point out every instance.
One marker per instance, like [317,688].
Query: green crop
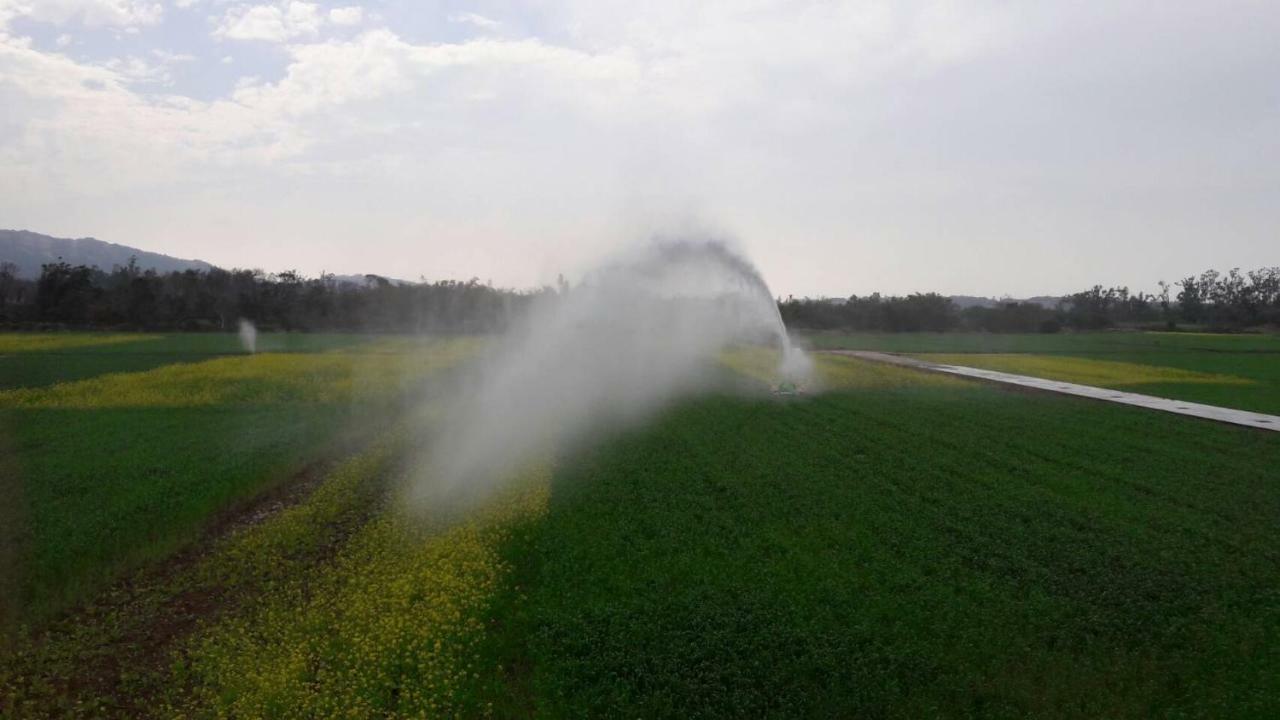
[1237,371]
[1088,371]
[45,342]
[893,543]
[1055,343]
[394,626]
[35,360]
[925,551]
[113,470]
[58,670]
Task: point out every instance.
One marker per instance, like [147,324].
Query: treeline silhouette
[1216,301]
[78,296]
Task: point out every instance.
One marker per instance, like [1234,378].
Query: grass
[1237,371]
[943,550]
[121,468]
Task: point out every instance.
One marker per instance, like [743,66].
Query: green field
[1067,342]
[111,468]
[902,545]
[952,550]
[1238,371]
[36,359]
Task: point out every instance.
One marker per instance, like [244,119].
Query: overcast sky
[969,148]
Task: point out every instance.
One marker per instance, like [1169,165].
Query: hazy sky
[983,148]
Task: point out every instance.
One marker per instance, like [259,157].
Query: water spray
[639,332]
[248,336]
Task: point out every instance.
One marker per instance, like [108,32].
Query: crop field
[208,533]
[1237,371]
[38,359]
[113,468]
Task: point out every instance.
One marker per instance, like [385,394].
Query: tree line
[80,296]
[1228,301]
[127,296]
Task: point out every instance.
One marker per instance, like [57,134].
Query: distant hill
[29,250]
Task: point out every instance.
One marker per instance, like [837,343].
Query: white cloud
[111,13]
[275,23]
[63,40]
[379,64]
[352,15]
[549,121]
[73,122]
[845,129]
[470,18]
[665,77]
[170,58]
[134,69]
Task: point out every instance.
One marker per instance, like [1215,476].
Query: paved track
[1180,407]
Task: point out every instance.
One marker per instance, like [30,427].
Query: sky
[986,148]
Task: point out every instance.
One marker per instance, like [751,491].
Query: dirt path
[1180,407]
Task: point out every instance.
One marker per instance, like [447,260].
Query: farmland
[1237,371]
[116,468]
[901,545]
[33,359]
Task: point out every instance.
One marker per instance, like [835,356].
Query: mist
[643,329]
[248,336]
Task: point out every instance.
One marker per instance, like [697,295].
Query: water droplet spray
[640,331]
[248,336]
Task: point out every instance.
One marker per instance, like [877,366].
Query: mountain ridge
[30,250]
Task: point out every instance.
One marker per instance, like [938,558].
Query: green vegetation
[210,298]
[122,655]
[1220,301]
[1061,343]
[90,513]
[1238,371]
[946,550]
[394,625]
[38,359]
[904,544]
[44,342]
[119,468]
